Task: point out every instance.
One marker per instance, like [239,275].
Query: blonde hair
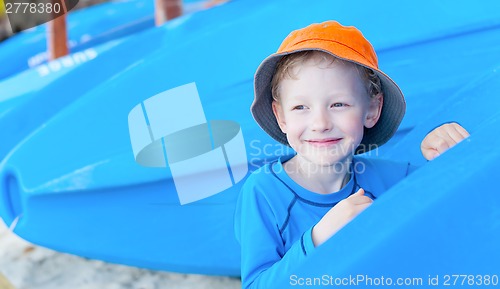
[284,69]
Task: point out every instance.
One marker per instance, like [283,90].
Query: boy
[322,94]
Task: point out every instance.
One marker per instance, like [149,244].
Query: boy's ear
[374,110]
[278,114]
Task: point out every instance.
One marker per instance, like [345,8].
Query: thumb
[360,192]
[432,155]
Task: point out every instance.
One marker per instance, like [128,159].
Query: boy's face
[324,109]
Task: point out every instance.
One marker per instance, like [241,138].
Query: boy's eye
[298,107]
[339,104]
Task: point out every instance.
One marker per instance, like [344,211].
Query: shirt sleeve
[264,261]
[308,242]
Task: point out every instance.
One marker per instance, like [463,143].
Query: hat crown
[331,31]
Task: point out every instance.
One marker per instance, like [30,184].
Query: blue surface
[30,98]
[86,28]
[77,189]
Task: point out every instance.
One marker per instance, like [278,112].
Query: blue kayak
[73,185]
[86,28]
[30,98]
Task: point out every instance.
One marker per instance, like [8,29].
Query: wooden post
[57,37]
[166,10]
[4,283]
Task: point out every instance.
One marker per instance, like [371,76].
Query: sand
[27,266]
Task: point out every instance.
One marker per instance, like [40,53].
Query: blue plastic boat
[30,98]
[86,28]
[74,185]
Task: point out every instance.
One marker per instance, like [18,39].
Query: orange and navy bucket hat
[343,42]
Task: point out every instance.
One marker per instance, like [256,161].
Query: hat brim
[393,108]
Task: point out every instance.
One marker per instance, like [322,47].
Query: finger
[436,142]
[444,143]
[428,151]
[456,136]
[459,132]
[360,200]
[360,192]
[430,154]
[455,130]
[429,141]
[448,140]
[462,131]
[363,207]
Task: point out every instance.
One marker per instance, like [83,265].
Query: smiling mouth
[324,142]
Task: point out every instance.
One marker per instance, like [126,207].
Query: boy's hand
[338,216]
[441,139]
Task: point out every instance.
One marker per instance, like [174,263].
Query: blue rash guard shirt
[275,215]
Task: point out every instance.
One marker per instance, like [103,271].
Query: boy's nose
[321,121]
